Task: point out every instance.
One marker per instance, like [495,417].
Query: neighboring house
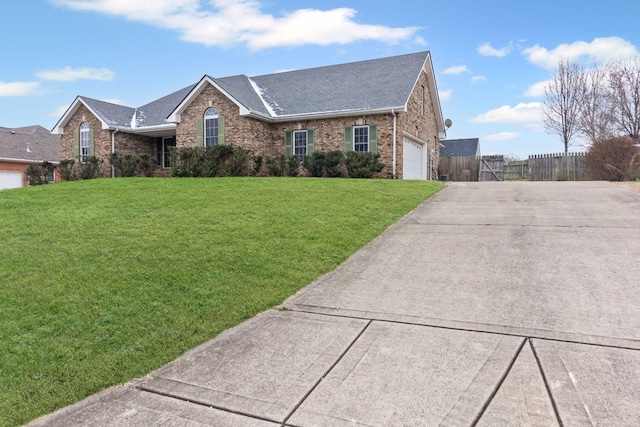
[387,105]
[21,147]
[460,147]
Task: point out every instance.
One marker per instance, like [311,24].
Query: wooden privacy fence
[463,168]
[470,168]
[540,167]
[559,167]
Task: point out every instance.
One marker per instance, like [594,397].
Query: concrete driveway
[490,304]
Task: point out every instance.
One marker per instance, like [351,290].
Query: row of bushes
[225,160]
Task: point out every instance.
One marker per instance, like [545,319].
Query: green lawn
[105,280]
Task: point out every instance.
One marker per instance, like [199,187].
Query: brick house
[24,146]
[387,105]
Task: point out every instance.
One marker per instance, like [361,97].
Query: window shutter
[220,130]
[373,138]
[91,147]
[348,139]
[310,142]
[200,132]
[288,143]
[76,144]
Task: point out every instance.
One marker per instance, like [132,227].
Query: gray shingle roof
[459,147]
[151,114]
[33,143]
[155,113]
[365,85]
[111,114]
[376,84]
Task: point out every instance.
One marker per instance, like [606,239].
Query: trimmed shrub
[329,164]
[37,174]
[614,159]
[219,160]
[67,170]
[363,165]
[90,168]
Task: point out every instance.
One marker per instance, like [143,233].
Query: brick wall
[244,132]
[124,142]
[22,167]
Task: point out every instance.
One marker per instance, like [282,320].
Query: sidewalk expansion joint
[502,380]
[546,383]
[204,404]
[333,365]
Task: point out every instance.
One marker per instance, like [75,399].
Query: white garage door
[10,179]
[413,160]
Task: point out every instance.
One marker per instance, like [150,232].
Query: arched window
[211,127]
[84,141]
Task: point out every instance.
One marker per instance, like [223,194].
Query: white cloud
[444,94]
[19,88]
[502,136]
[456,69]
[477,79]
[486,49]
[598,50]
[68,74]
[537,89]
[60,111]
[530,113]
[229,22]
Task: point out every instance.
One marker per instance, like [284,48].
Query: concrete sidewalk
[490,304]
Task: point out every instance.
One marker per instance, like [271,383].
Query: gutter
[32,161]
[325,115]
[393,172]
[113,150]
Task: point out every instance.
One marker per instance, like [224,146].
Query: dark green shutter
[91,147]
[373,138]
[76,145]
[200,132]
[348,139]
[220,130]
[288,143]
[310,142]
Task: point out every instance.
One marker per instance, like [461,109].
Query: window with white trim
[211,127]
[300,144]
[361,139]
[84,142]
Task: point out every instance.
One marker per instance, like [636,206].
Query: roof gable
[460,147]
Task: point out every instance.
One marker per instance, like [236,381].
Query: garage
[10,179]
[413,160]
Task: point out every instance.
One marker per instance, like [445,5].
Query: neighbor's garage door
[10,179]
[413,160]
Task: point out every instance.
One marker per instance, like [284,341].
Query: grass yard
[105,280]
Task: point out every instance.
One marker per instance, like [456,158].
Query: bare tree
[562,98]
[624,82]
[596,119]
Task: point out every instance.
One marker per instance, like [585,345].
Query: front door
[164,155]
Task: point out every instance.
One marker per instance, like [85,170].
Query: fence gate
[491,168]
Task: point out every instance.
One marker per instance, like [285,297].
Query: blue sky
[490,57]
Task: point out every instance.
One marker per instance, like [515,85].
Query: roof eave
[325,114]
[12,160]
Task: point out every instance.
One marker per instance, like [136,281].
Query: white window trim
[368,138]
[306,143]
[84,139]
[207,117]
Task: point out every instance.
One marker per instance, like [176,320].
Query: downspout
[113,150]
[393,171]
